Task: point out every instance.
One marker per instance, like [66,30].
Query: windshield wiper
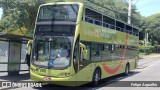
[37,38]
[42,34]
[73,9]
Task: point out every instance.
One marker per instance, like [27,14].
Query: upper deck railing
[107,25]
[107,22]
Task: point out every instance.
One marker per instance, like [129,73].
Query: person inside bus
[41,51]
[27,60]
[97,50]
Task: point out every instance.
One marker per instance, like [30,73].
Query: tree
[19,13]
[152,26]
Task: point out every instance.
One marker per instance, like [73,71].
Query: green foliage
[14,19]
[19,13]
[146,49]
[151,25]
[154,28]
[157,47]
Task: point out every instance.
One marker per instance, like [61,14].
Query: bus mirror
[84,54]
[29,46]
[29,42]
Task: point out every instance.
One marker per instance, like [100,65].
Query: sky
[147,7]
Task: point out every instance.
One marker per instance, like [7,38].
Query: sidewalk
[23,76]
[151,56]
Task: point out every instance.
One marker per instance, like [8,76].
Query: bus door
[112,54]
[107,55]
[118,53]
[84,63]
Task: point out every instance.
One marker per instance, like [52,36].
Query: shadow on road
[103,83]
[16,78]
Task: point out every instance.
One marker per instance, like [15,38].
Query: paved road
[148,70]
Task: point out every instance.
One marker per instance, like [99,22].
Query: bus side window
[112,51]
[105,52]
[96,52]
[87,52]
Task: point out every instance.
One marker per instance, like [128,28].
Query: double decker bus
[74,45]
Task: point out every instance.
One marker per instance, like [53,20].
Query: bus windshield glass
[52,51]
[66,12]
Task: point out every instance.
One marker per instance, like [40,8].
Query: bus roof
[55,3]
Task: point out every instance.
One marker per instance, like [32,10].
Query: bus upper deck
[68,13]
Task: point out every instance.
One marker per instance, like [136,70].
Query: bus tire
[96,77]
[127,69]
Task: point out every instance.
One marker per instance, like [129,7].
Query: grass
[142,55]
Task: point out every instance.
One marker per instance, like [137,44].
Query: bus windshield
[66,12]
[52,51]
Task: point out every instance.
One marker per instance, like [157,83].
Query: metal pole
[147,38]
[129,11]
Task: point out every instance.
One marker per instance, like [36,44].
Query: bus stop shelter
[10,60]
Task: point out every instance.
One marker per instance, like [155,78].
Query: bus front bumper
[66,81]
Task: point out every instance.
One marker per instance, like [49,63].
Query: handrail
[109,25]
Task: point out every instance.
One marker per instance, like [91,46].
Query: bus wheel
[126,70]
[96,77]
